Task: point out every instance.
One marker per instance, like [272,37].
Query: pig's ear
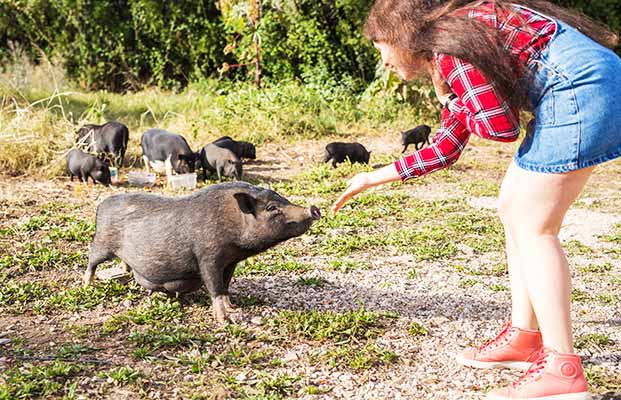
[247,204]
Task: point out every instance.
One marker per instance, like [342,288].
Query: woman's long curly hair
[424,27]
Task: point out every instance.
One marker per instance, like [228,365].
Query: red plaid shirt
[479,109]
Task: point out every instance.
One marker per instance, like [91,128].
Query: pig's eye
[271,208]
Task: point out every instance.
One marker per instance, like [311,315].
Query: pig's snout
[315,213]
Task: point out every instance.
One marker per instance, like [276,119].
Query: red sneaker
[553,376]
[512,348]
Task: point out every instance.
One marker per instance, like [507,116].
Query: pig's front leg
[228,275]
[146,163]
[212,275]
[168,165]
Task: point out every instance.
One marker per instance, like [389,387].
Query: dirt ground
[371,304]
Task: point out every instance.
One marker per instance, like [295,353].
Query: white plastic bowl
[187,181]
[141,178]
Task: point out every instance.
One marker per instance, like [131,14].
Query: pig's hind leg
[97,255]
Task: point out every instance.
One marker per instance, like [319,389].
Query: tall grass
[40,112]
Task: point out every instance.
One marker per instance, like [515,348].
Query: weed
[598,339]
[37,381]
[311,281]
[328,325]
[346,266]
[159,309]
[608,298]
[496,287]
[579,295]
[417,329]
[479,188]
[154,339]
[122,375]
[596,268]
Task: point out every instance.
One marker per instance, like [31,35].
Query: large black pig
[240,148]
[84,166]
[109,138]
[177,245]
[168,148]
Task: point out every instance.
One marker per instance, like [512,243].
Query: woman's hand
[358,183]
[443,90]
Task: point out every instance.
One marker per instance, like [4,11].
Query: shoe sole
[569,396]
[523,365]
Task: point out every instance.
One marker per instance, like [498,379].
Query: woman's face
[402,63]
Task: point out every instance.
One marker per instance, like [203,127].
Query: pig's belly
[188,284]
[161,267]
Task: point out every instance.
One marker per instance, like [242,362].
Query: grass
[420,234]
[417,329]
[122,375]
[166,337]
[30,380]
[157,310]
[311,281]
[327,325]
[596,268]
[356,358]
[597,339]
[38,124]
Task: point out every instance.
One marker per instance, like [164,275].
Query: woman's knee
[520,219]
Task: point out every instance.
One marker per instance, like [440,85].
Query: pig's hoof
[219,310]
[228,306]
[222,319]
[87,280]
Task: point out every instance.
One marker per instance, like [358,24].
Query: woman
[488,60]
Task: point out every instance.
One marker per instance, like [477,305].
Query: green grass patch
[496,287]
[167,337]
[579,295]
[477,188]
[597,339]
[158,310]
[252,266]
[311,281]
[596,268]
[87,298]
[122,376]
[328,325]
[602,380]
[29,381]
[608,298]
[576,248]
[74,350]
[417,329]
[614,236]
[357,358]
[346,266]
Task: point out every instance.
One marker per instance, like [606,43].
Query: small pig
[84,165]
[240,148]
[177,245]
[338,152]
[416,136]
[109,138]
[221,161]
[172,149]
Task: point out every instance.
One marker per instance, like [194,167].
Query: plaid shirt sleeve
[445,149]
[478,106]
